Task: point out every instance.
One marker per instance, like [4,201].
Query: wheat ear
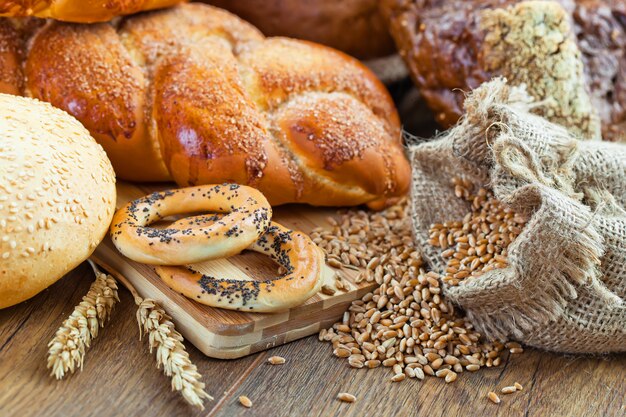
[66,351]
[170,351]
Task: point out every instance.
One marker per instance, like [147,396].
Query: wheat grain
[276,360]
[327,290]
[398,377]
[66,351]
[493,397]
[451,377]
[509,390]
[479,242]
[245,401]
[334,263]
[345,397]
[406,321]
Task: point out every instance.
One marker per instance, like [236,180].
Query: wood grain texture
[554,385]
[120,377]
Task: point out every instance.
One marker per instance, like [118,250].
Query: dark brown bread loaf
[442,42]
[352,26]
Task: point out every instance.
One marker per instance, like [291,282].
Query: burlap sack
[565,286]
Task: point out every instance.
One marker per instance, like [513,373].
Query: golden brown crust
[191,241]
[57,196]
[14,34]
[350,159]
[80,11]
[283,68]
[328,132]
[11,76]
[197,95]
[352,26]
[293,250]
[86,71]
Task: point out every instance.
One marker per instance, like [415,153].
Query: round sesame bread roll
[294,251]
[248,216]
[57,196]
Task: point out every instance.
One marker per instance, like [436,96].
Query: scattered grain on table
[328,290]
[407,322]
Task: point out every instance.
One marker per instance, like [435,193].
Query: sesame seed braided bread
[81,11]
[197,95]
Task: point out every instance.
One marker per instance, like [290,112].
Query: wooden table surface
[120,377]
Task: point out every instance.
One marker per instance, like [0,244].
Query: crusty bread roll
[81,11]
[353,26]
[57,196]
[447,46]
[195,94]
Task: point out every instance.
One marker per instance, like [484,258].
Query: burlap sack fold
[565,286]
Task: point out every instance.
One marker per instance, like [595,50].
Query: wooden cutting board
[227,334]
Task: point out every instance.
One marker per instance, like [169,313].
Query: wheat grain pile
[406,324]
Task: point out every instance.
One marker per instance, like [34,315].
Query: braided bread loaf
[197,95]
[83,11]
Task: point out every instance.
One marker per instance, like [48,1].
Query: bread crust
[247,216]
[197,95]
[353,26]
[102,87]
[293,250]
[442,43]
[79,11]
[57,196]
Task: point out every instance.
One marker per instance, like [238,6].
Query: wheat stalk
[170,351]
[66,351]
